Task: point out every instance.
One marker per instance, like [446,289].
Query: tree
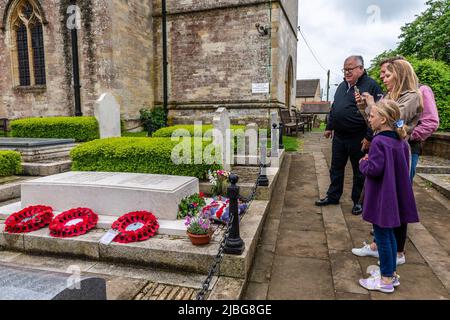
[428,36]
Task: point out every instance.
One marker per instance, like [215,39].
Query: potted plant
[199,229]
[219,181]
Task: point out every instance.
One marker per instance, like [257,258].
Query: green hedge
[79,128]
[168,131]
[10,163]
[139,155]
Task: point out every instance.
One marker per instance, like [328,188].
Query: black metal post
[234,243]
[76,70]
[281,136]
[165,62]
[263,181]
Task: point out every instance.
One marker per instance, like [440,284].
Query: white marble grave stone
[107,113]
[111,194]
[222,137]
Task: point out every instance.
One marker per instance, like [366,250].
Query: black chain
[219,257]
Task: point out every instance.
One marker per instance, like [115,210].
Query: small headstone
[222,137]
[274,134]
[107,113]
[17,283]
[251,143]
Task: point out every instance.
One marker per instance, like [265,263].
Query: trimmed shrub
[79,128]
[138,155]
[168,131]
[10,163]
[153,119]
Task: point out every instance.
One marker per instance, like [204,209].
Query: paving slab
[432,252]
[303,244]
[256,291]
[296,278]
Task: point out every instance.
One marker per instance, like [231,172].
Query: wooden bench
[4,126]
[291,123]
[306,119]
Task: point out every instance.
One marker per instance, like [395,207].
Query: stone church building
[220,53]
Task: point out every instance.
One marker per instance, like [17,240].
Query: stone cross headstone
[107,113]
[222,137]
[18,283]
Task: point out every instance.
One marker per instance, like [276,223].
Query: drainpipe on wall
[165,62]
[76,70]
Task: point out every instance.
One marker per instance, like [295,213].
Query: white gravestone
[275,134]
[222,137]
[111,194]
[107,113]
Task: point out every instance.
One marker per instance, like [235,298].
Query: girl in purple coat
[389,198]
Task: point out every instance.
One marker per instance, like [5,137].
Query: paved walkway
[305,251]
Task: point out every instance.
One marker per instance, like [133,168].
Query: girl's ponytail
[401,129]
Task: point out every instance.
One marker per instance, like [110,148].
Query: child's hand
[366,157]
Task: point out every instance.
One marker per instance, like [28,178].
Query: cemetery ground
[304,252]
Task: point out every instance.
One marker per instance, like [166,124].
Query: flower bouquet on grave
[191,206]
[199,229]
[219,181]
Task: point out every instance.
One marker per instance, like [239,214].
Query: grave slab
[18,283]
[111,194]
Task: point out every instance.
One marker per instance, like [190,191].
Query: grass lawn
[142,134]
[321,129]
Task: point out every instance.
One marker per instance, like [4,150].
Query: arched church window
[28,57]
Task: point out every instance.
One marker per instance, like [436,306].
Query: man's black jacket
[345,118]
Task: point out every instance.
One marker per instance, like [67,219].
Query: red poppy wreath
[72,223]
[29,219]
[135,226]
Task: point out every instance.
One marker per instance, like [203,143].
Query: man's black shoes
[357,210]
[326,202]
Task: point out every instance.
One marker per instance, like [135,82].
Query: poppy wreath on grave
[135,226]
[29,219]
[73,223]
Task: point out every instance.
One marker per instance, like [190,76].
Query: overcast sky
[336,29]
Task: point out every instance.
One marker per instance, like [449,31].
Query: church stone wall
[56,99]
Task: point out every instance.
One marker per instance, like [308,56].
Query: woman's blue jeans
[387,250]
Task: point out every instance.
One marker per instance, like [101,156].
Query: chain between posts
[219,257]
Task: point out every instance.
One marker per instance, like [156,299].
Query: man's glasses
[350,70]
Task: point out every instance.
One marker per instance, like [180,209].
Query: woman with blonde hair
[403,87]
[389,198]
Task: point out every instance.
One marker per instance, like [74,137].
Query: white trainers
[365,251]
[374,283]
[400,261]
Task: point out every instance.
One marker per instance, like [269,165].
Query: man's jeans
[343,149]
[387,250]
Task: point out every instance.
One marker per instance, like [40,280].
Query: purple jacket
[389,198]
[429,122]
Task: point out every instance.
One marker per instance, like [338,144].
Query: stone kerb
[107,113]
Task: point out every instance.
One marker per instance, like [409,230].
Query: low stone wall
[438,145]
